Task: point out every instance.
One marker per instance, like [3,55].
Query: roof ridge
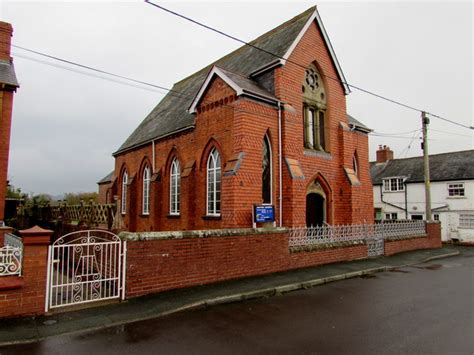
[265,35]
[421,156]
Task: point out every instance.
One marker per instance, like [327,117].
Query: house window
[393,184]
[214,184]
[466,220]
[391,216]
[266,171]
[146,191]
[456,190]
[175,178]
[314,110]
[417,217]
[124,192]
[436,217]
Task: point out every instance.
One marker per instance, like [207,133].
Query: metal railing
[400,229]
[10,261]
[13,241]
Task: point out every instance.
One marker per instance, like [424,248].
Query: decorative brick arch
[211,143]
[319,185]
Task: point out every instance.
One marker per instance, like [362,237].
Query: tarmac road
[423,309]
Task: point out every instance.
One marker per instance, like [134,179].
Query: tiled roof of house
[171,114]
[107,178]
[443,167]
[7,73]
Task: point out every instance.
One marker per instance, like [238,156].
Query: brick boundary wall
[25,295]
[160,261]
[432,241]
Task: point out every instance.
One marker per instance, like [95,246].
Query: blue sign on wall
[264,214]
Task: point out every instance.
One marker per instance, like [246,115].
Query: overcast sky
[66,124]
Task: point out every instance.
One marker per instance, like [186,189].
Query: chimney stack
[6,32]
[384,153]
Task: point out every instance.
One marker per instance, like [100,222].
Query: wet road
[425,309]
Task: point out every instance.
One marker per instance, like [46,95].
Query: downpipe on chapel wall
[280,202]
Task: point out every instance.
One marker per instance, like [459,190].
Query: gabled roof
[7,73]
[241,85]
[443,167]
[107,178]
[171,114]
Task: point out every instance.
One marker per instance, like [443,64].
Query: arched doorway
[315,209]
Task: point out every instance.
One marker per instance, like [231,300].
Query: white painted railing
[10,261]
[304,236]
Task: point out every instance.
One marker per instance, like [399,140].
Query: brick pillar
[35,263]
[433,229]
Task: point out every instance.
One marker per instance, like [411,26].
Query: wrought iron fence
[13,241]
[10,261]
[401,229]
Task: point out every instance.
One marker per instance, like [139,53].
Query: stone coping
[208,233]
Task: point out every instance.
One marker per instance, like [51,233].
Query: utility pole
[426,163]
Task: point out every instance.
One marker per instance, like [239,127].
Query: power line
[210,28]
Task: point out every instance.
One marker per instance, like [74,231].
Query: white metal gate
[85,266]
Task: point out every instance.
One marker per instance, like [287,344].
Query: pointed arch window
[124,192]
[214,183]
[355,165]
[266,171]
[314,110]
[175,180]
[146,190]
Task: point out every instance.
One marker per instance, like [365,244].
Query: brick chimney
[384,153]
[8,86]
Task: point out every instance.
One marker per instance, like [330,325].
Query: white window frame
[175,193]
[456,186]
[387,184]
[215,170]
[146,191]
[124,193]
[389,216]
[466,220]
[436,216]
[271,170]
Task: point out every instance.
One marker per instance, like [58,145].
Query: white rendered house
[399,190]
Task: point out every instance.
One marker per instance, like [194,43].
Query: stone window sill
[317,153]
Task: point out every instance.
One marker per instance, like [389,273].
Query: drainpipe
[280,200]
[388,203]
[406,199]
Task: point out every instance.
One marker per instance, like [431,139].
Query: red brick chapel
[250,129]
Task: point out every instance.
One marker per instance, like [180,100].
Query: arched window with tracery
[266,171]
[146,191]
[214,183]
[124,192]
[175,179]
[314,110]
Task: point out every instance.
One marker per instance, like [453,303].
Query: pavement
[26,330]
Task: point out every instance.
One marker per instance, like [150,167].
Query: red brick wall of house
[6,105]
[342,144]
[105,193]
[240,126]
[214,128]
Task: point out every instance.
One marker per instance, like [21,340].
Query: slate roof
[107,178]
[7,73]
[443,167]
[357,124]
[171,114]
